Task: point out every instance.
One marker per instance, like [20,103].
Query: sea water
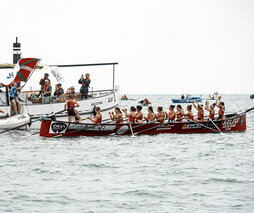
[159,173]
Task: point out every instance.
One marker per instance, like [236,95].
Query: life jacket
[46,87]
[70,104]
[84,82]
[99,120]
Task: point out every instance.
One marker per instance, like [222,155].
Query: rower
[200,110]
[97,119]
[139,115]
[160,117]
[150,116]
[210,109]
[117,116]
[179,113]
[221,107]
[70,104]
[171,114]
[131,114]
[189,113]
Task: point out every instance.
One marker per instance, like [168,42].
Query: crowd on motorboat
[46,91]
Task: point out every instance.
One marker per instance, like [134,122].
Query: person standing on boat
[171,114]
[85,85]
[46,91]
[13,95]
[151,115]
[131,114]
[210,109]
[70,105]
[221,107]
[189,113]
[117,116]
[97,119]
[42,81]
[200,110]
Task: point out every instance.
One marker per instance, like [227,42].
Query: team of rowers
[135,114]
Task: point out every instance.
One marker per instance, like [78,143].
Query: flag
[25,67]
[57,75]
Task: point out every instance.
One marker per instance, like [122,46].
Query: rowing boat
[54,128]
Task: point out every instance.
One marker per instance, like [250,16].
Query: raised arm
[207,106]
[218,102]
[195,106]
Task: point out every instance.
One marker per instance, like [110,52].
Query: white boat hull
[14,121]
[106,100]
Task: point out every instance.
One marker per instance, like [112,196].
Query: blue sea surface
[159,173]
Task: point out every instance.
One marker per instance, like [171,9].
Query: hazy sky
[162,46]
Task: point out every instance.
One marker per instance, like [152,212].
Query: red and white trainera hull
[49,128]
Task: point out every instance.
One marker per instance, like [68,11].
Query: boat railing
[31,97]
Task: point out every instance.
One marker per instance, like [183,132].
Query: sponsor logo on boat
[58,128]
[97,103]
[228,124]
[191,126]
[92,127]
[110,99]
[165,127]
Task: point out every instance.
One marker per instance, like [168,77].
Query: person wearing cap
[59,90]
[85,85]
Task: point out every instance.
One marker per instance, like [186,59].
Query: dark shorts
[71,112]
[12,98]
[220,117]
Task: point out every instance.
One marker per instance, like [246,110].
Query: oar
[213,122]
[248,110]
[150,128]
[132,135]
[202,125]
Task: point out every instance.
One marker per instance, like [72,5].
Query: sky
[162,46]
